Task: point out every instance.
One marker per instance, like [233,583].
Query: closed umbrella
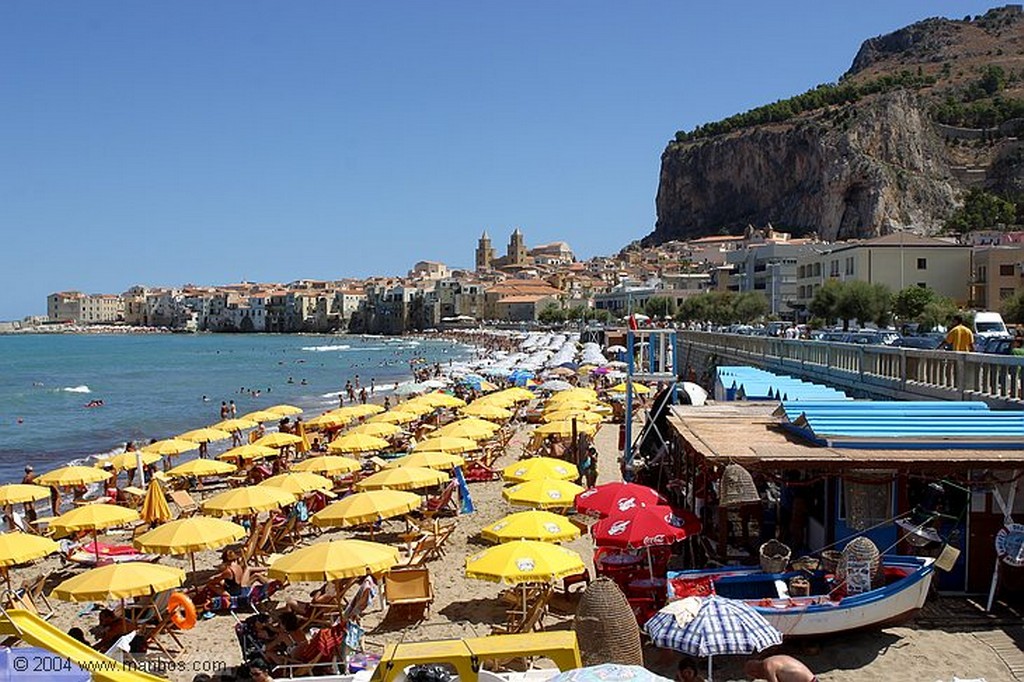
[712,626]
[154,505]
[119,581]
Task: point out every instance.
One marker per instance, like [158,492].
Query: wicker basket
[774,557]
[830,560]
[807,563]
[860,549]
[606,627]
[799,587]
[737,487]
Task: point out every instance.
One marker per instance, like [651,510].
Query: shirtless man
[778,669]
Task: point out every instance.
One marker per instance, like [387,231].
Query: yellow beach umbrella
[470,427]
[299,482]
[154,505]
[524,561]
[261,416]
[637,388]
[403,478]
[73,475]
[539,525]
[334,560]
[93,517]
[543,494]
[250,499]
[247,452]
[357,442]
[447,444]
[378,429]
[204,435]
[367,507]
[189,535]
[129,460]
[284,410]
[581,416]
[16,493]
[495,400]
[119,581]
[202,467]
[365,409]
[486,411]
[536,468]
[416,408]
[328,465]
[428,460]
[564,429]
[516,393]
[170,447]
[436,400]
[576,403]
[235,424]
[577,393]
[20,548]
[329,420]
[278,440]
[393,417]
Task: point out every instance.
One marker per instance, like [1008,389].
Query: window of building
[1005,293]
[849,266]
[922,285]
[922,263]
[834,269]
[1006,270]
[982,274]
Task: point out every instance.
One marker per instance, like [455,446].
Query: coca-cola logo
[618,528]
[587,493]
[561,471]
[555,494]
[519,472]
[498,526]
[525,564]
[551,528]
[654,540]
[673,520]
[627,503]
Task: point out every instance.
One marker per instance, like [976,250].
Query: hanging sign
[1010,544]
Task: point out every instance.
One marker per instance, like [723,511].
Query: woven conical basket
[606,627]
[737,487]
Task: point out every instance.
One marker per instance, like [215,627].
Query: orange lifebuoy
[182,610]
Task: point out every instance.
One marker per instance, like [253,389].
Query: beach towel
[324,645]
[246,599]
[367,592]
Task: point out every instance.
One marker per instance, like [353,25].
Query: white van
[989,324]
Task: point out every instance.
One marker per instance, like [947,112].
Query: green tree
[908,304]
[749,306]
[600,315]
[937,313]
[660,306]
[552,314]
[577,312]
[982,210]
[825,303]
[1013,308]
[863,302]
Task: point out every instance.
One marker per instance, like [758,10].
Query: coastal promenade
[866,371]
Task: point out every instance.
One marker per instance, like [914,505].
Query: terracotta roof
[523,299]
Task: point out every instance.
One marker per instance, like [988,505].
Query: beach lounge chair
[249,548]
[519,622]
[284,534]
[409,590]
[186,505]
[421,551]
[262,550]
[479,470]
[154,621]
[316,655]
[444,504]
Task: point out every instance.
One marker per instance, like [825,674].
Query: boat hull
[822,615]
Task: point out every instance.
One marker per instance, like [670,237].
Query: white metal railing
[934,373]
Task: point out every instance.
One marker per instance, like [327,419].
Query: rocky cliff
[873,157]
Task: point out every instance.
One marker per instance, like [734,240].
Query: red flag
[632,323]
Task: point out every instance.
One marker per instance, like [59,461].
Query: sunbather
[110,629]
[234,577]
[290,637]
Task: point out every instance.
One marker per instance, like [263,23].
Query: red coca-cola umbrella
[615,499]
[645,527]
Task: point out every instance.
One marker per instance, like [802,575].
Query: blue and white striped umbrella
[717,627]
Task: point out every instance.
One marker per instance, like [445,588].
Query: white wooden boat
[826,610]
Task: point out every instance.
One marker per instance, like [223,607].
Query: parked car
[989,324]
[920,342]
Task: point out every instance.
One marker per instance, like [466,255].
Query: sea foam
[326,349]
[77,389]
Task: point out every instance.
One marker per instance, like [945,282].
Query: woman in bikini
[234,578]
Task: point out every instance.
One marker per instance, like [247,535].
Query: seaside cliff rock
[894,145]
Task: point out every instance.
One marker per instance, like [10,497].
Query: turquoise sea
[152,386]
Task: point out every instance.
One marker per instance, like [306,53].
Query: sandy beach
[465,607]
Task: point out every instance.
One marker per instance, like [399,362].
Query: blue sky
[190,141]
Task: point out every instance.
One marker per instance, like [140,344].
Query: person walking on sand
[959,338]
[778,669]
